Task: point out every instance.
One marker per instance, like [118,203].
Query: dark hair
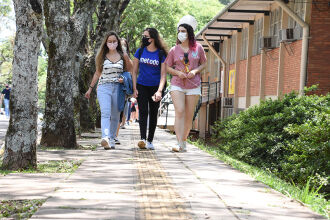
[191,36]
[159,42]
[104,50]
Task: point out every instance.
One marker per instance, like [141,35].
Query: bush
[288,137]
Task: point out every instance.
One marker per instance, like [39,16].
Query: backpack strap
[140,52]
[161,54]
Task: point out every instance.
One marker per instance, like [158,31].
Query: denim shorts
[194,91]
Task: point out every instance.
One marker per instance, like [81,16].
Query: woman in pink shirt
[184,62]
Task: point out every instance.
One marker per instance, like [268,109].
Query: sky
[7,26]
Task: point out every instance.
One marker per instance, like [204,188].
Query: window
[244,47]
[233,49]
[257,34]
[275,24]
[299,9]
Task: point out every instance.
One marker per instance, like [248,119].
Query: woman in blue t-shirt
[149,85]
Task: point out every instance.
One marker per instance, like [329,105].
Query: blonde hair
[103,50]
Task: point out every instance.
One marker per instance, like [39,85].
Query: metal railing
[210,91]
[166,100]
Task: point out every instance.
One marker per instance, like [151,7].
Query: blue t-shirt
[149,68]
[6,92]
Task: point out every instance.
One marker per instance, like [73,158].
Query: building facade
[262,49]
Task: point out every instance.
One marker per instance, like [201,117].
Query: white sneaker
[105,143]
[180,147]
[184,147]
[142,144]
[150,146]
[112,144]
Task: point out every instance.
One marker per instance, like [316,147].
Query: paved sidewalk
[128,183]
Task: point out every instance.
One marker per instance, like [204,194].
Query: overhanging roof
[232,17]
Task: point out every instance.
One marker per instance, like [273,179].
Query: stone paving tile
[158,199]
[17,186]
[241,195]
[128,183]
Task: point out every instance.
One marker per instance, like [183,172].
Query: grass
[19,209]
[52,166]
[307,196]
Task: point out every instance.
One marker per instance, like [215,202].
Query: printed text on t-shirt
[149,61]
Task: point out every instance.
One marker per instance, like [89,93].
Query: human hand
[181,75]
[88,93]
[157,96]
[191,74]
[135,93]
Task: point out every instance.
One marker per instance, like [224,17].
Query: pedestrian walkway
[128,183]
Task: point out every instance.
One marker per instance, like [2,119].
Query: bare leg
[179,105]
[117,130]
[190,104]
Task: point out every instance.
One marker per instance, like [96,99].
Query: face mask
[145,41]
[112,46]
[182,36]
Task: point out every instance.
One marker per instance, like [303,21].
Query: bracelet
[91,87]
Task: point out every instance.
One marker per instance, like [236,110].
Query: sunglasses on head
[186,60]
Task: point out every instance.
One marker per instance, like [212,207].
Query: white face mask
[112,46]
[182,36]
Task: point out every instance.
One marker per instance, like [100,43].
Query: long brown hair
[159,42]
[103,50]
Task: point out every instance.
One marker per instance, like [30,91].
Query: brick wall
[318,69]
[272,61]
[255,75]
[241,78]
[291,72]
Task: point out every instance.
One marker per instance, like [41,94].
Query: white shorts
[194,91]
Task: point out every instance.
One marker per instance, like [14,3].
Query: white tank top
[111,71]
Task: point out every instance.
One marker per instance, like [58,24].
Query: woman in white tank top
[110,62]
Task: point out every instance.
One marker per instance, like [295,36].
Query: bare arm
[175,72]
[134,75]
[96,76]
[193,72]
[158,94]
[128,63]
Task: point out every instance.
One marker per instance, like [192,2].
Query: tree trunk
[109,13]
[65,34]
[21,137]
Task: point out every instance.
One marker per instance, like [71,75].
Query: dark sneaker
[116,140]
[112,144]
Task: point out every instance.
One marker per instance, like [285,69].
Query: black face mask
[145,41]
